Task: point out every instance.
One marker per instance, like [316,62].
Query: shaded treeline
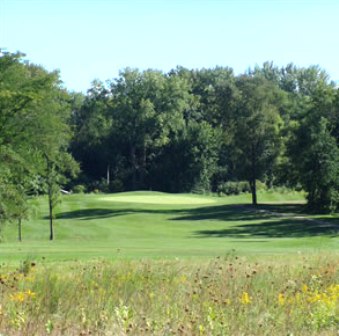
[197,130]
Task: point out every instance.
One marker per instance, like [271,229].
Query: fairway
[160,199]
[137,225]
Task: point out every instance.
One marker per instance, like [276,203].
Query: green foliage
[319,166]
[79,189]
[191,130]
[233,188]
[257,139]
[34,134]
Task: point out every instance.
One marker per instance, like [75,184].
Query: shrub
[79,189]
[116,185]
[233,188]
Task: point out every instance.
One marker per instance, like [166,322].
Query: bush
[116,185]
[99,186]
[79,189]
[233,188]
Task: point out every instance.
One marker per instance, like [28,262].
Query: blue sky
[94,39]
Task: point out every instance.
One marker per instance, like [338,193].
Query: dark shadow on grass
[242,212]
[276,220]
[280,228]
[90,214]
[220,212]
[98,213]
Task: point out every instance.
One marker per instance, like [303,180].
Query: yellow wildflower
[22,296]
[281,299]
[30,294]
[245,298]
[333,289]
[18,297]
[183,279]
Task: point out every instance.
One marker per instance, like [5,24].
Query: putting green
[160,199]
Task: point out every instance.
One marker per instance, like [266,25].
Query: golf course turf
[159,225]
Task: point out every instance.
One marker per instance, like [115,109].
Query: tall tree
[33,124]
[55,163]
[257,124]
[313,144]
[146,108]
[318,165]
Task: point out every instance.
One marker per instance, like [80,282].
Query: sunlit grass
[87,227]
[161,199]
[229,295]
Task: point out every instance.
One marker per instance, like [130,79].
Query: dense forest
[186,130]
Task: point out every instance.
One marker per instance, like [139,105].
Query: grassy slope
[90,226]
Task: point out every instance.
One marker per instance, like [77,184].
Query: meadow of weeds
[228,295]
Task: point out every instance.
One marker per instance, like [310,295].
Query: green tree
[146,109]
[315,155]
[34,124]
[312,147]
[54,163]
[257,124]
[92,124]
[188,162]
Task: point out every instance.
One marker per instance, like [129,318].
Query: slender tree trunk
[19,230]
[143,167]
[50,204]
[253,184]
[253,187]
[134,167]
[108,175]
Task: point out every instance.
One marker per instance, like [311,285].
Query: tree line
[209,129]
[183,131]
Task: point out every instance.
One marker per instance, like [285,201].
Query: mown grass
[230,295]
[115,227]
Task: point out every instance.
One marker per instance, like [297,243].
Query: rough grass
[230,295]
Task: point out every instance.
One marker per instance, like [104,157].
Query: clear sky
[94,39]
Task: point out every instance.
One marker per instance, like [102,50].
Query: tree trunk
[50,204]
[19,230]
[143,167]
[134,167]
[108,175]
[253,175]
[253,187]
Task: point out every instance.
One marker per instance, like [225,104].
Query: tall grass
[225,296]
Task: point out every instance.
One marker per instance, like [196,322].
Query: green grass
[147,263]
[157,225]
